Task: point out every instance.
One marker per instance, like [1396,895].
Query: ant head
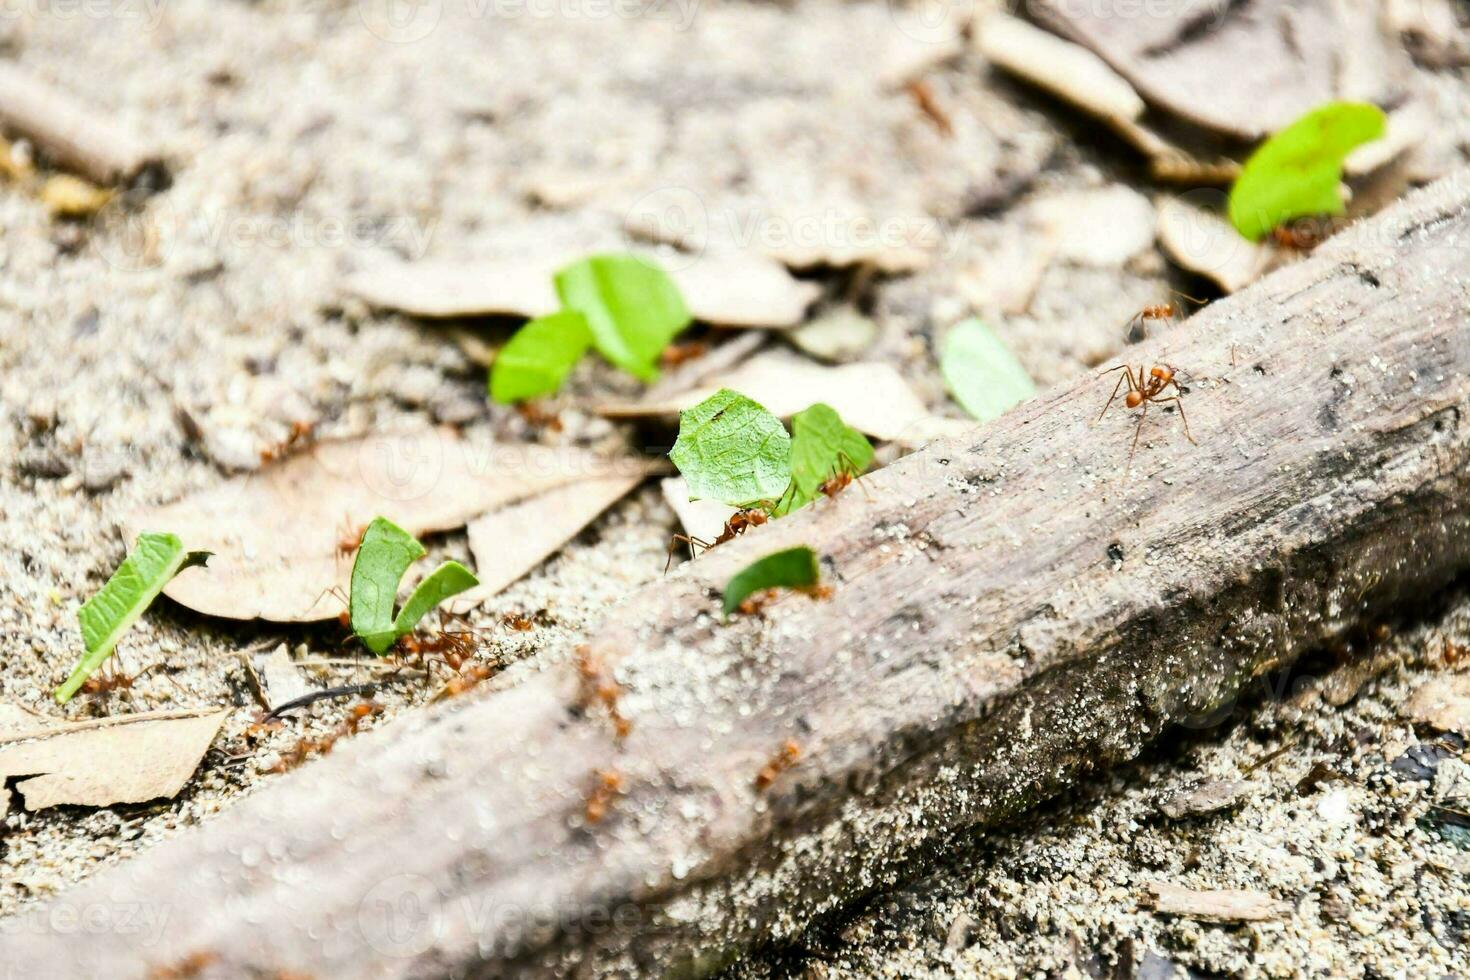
[1161,372]
[1133,399]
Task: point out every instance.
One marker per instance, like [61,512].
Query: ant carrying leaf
[826,456]
[385,554]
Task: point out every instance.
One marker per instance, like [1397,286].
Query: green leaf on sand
[538,358]
[154,560]
[822,445]
[1296,172]
[633,309]
[383,556]
[794,568]
[981,372]
[732,450]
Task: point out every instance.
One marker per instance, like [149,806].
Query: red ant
[1302,234]
[187,968]
[349,539]
[466,679]
[300,433]
[523,624]
[1143,390]
[923,95]
[305,747]
[539,417]
[756,603]
[454,647]
[737,524]
[600,687]
[789,755]
[609,785]
[676,354]
[115,680]
[1137,326]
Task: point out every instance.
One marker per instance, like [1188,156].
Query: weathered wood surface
[1012,609]
[70,132]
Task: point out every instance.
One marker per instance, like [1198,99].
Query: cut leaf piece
[633,308]
[732,450]
[129,759]
[872,397]
[383,556]
[981,372]
[154,560]
[794,568]
[538,358]
[822,445]
[1296,172]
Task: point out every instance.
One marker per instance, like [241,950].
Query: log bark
[70,132]
[1012,609]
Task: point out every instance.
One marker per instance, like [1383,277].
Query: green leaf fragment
[153,562]
[449,579]
[632,308]
[981,372]
[794,568]
[382,559]
[1297,171]
[822,445]
[539,357]
[732,450]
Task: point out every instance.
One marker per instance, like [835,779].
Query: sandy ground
[309,140]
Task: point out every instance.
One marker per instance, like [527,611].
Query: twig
[346,691]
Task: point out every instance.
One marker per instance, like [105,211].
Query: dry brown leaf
[1216,905]
[510,542]
[129,759]
[1204,242]
[726,289]
[702,519]
[872,397]
[1443,702]
[275,533]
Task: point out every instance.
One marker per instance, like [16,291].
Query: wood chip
[510,542]
[724,289]
[283,680]
[1207,797]
[1218,905]
[872,397]
[128,759]
[1204,242]
[275,533]
[75,135]
[1442,702]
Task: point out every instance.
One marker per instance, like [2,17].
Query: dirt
[171,339]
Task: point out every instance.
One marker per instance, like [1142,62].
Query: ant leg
[1179,403]
[1136,433]
[1128,375]
[691,541]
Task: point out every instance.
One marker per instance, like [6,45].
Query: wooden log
[1012,609]
[71,133]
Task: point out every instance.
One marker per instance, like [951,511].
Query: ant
[1145,389]
[600,687]
[677,354]
[1453,653]
[1302,234]
[300,434]
[756,604]
[187,968]
[106,685]
[454,647]
[609,784]
[737,524]
[465,680]
[297,754]
[789,755]
[349,539]
[523,624]
[538,417]
[1137,326]
[923,95]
